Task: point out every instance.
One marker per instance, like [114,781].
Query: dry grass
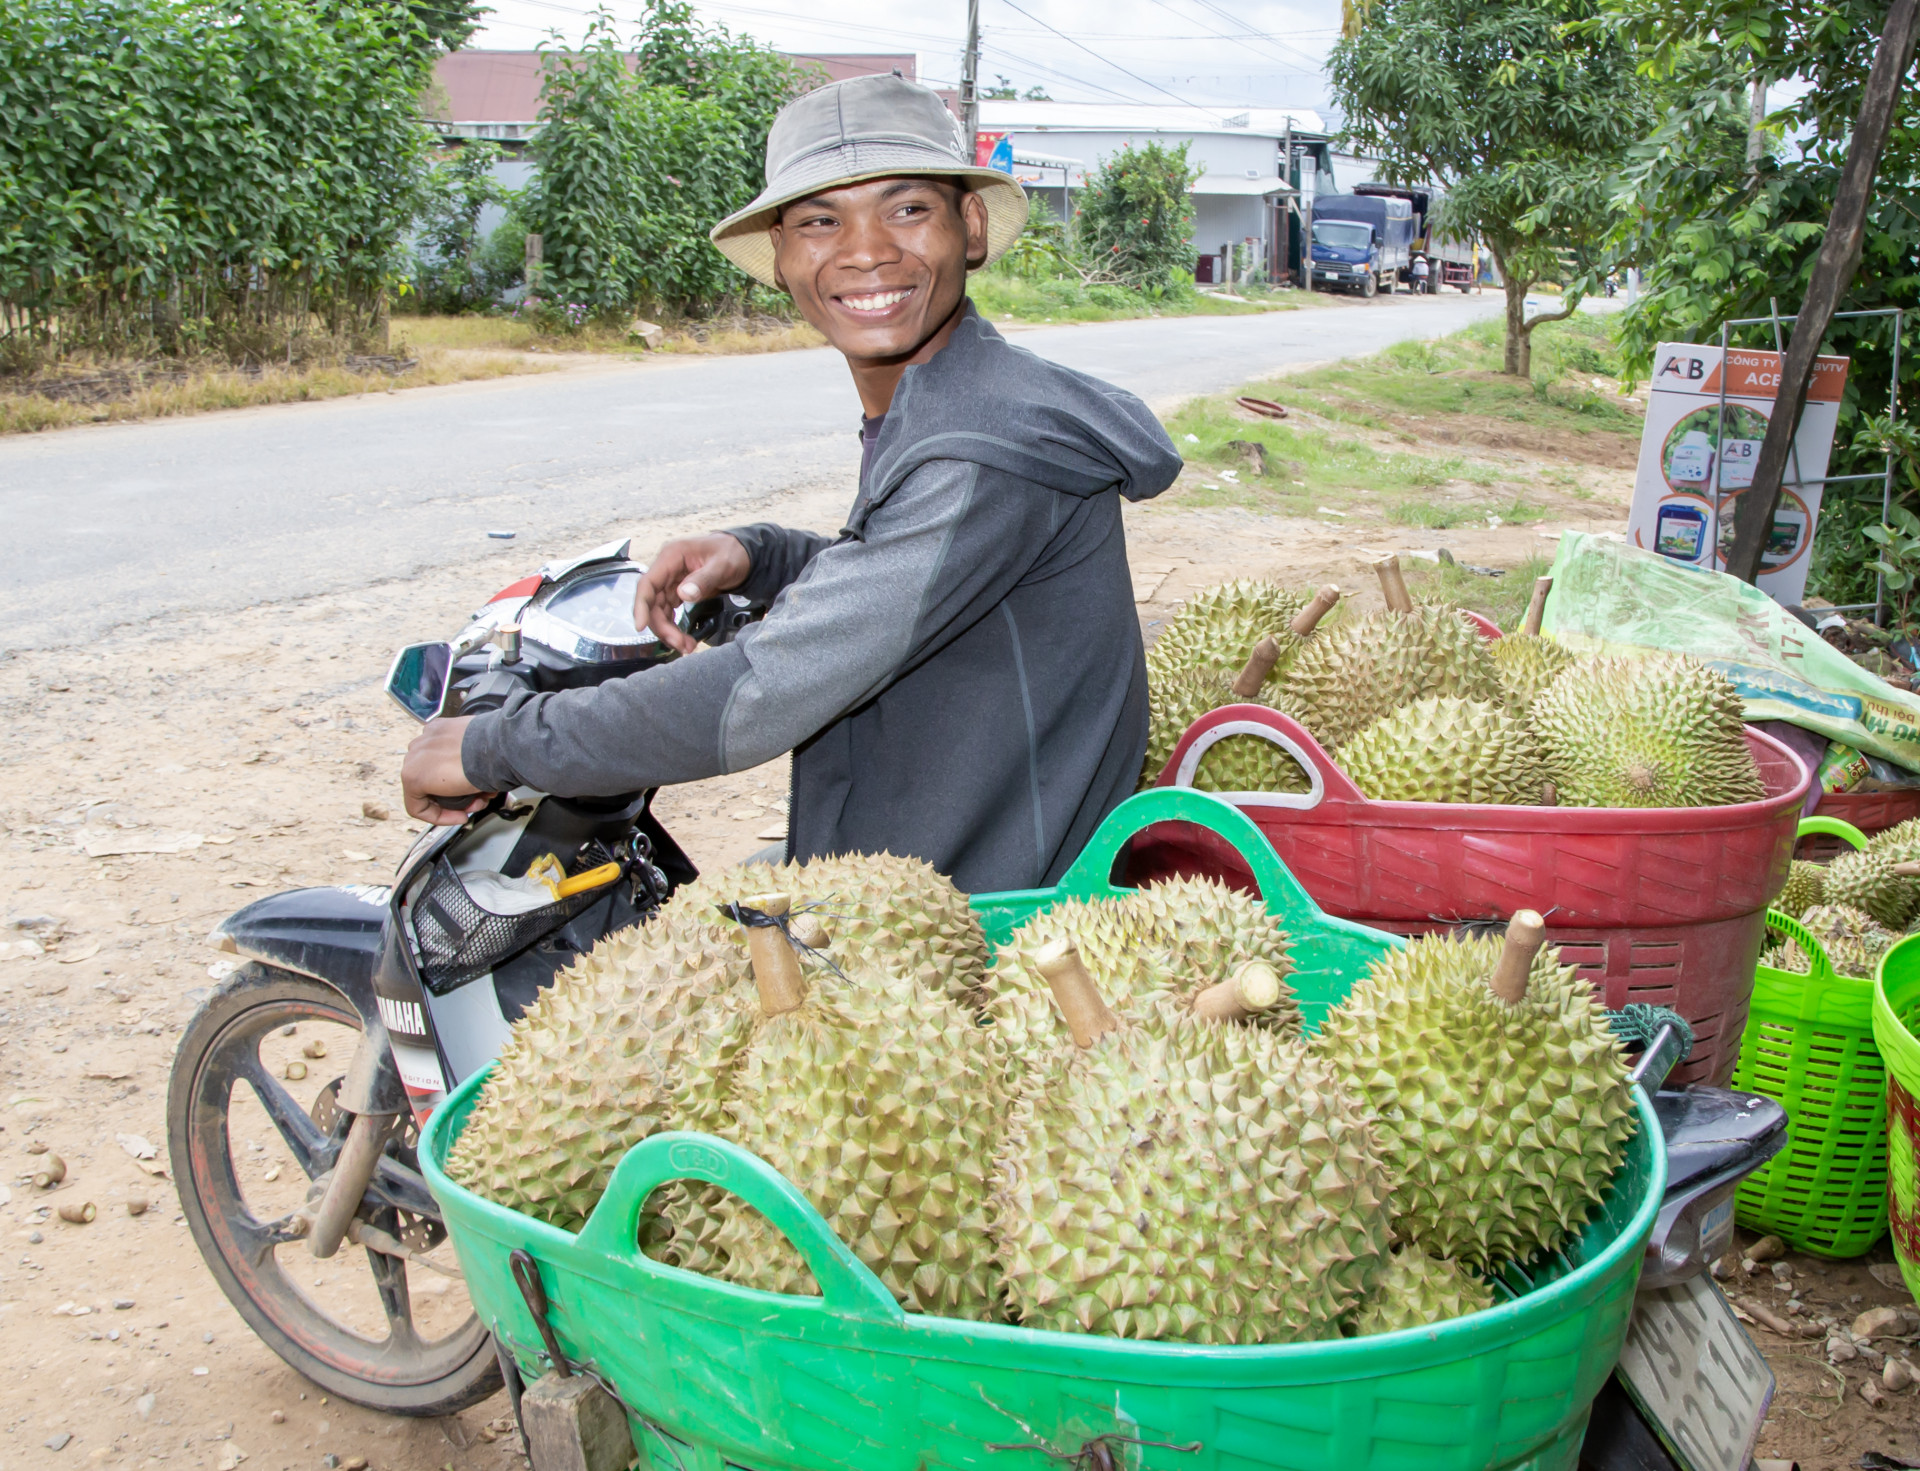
[204,392]
[504,334]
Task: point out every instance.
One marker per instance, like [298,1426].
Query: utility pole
[1833,270]
[970,78]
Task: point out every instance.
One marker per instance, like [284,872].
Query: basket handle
[1324,778]
[1831,827]
[1819,967]
[846,1285]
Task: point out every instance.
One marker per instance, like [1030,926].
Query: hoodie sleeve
[935,558]
[777,555]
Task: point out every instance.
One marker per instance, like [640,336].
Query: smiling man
[959,672]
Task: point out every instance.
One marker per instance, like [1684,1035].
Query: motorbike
[415,983]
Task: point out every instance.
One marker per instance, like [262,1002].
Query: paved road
[121,522]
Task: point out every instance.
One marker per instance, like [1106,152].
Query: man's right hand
[685,571]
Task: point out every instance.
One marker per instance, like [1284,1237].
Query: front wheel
[251,1121]
[1368,285]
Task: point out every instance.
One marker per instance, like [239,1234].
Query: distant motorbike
[415,984]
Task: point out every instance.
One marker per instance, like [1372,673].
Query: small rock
[1876,1322]
[650,335]
[39,1146]
[316,1048]
[272,1175]
[206,1338]
[143,1407]
[199,1371]
[34,1238]
[1872,1393]
[1898,1374]
[1782,1272]
[136,1205]
[121,1304]
[289,1029]
[295,1071]
[1766,1249]
[1839,1351]
[330,1461]
[354,1463]
[231,1456]
[278,1417]
[58,1442]
[1887,1274]
[374,811]
[1722,1270]
[1794,1305]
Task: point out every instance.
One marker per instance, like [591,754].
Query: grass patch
[1503,599]
[1576,371]
[1440,518]
[204,392]
[1002,297]
[507,334]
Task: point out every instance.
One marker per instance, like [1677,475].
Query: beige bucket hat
[863,128]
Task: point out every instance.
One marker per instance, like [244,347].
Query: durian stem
[1088,1016]
[1308,618]
[1526,933]
[810,930]
[776,969]
[1392,585]
[1537,607]
[1250,990]
[1266,654]
[1549,794]
[1909,870]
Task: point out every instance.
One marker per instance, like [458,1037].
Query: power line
[1227,15]
[1103,60]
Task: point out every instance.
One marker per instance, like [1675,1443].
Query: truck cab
[1361,242]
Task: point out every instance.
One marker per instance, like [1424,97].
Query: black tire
[404,1374]
[1369,284]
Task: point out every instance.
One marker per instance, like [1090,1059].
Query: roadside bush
[202,175]
[449,272]
[1135,222]
[637,162]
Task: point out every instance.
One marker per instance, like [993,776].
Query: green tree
[1724,219]
[1519,113]
[1135,219]
[641,152]
[448,272]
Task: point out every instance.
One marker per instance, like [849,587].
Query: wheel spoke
[312,1150]
[390,1277]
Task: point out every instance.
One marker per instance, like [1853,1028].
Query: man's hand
[685,571]
[432,780]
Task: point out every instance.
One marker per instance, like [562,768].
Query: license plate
[1696,1376]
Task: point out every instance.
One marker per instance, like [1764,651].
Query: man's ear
[973,210]
[773,233]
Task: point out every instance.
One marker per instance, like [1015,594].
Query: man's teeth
[878,301]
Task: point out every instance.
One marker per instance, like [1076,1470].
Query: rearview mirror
[418,679]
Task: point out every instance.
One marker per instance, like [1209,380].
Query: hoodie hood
[981,399]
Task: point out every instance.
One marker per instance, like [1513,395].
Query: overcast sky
[1263,53]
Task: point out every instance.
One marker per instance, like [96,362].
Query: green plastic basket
[717,1376]
[1896,1023]
[1809,1045]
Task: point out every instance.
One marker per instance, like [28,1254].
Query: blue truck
[1361,242]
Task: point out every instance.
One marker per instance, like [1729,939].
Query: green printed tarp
[1611,598]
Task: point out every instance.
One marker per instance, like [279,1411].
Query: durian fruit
[1854,942]
[1662,731]
[1444,749]
[1218,628]
[1417,1290]
[1165,1176]
[1873,881]
[1366,669]
[1806,887]
[1497,1089]
[1901,842]
[1235,763]
[642,1033]
[1168,942]
[1528,663]
[623,1044]
[883,1105]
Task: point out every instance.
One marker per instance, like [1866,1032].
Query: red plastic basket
[1664,905]
[1871,812]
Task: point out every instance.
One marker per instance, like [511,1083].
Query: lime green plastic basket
[1896,1027]
[1809,1046]
[717,1376]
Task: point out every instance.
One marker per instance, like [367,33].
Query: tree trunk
[1519,361]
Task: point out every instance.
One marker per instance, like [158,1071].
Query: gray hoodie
[958,674]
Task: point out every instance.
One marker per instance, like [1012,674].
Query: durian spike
[776,969]
[1253,988]
[1088,1016]
[1308,618]
[1266,654]
[1908,870]
[810,930]
[1537,607]
[1526,933]
[1392,585]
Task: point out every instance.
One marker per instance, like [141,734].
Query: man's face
[880,266]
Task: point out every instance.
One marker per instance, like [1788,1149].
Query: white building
[1245,189]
